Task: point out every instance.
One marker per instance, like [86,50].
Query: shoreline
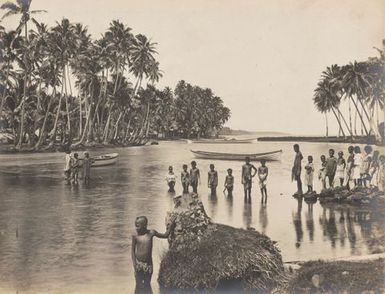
[320,139]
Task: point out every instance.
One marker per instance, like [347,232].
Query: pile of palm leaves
[225,258]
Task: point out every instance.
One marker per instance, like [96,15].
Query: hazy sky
[263,58]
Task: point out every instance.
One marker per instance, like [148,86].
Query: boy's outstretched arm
[133,247]
[167,233]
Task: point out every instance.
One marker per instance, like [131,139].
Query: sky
[263,58]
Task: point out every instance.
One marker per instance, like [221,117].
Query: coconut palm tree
[21,7]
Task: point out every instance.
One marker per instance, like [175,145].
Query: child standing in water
[213,179]
[349,167]
[194,176]
[229,182]
[366,160]
[309,167]
[75,168]
[185,178]
[247,177]
[141,252]
[296,170]
[357,166]
[321,174]
[341,165]
[263,172]
[171,179]
[331,167]
[87,162]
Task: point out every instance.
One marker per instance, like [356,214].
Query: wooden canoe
[105,159]
[222,141]
[268,156]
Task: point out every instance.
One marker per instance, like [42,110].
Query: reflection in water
[310,221]
[213,202]
[341,228]
[297,221]
[247,213]
[229,203]
[263,220]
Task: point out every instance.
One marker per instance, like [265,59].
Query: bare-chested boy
[247,176]
[141,252]
[195,176]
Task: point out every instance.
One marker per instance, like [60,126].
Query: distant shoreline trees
[362,86]
[58,86]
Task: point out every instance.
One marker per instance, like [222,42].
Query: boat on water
[105,159]
[222,141]
[268,156]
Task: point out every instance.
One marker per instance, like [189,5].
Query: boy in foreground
[229,182]
[296,170]
[141,253]
[194,176]
[263,172]
[247,177]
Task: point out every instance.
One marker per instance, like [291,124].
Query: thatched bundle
[221,257]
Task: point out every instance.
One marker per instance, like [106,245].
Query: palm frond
[10,6]
[9,13]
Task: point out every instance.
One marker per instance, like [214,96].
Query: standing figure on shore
[331,167]
[247,177]
[67,166]
[213,179]
[357,166]
[263,172]
[341,165]
[322,172]
[373,170]
[195,176]
[171,179]
[296,170]
[141,253]
[309,167]
[349,167]
[87,162]
[75,164]
[185,179]
[366,160]
[381,174]
[229,182]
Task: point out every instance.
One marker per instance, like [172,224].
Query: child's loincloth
[143,267]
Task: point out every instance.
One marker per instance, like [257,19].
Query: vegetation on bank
[321,139]
[60,86]
[360,85]
[339,277]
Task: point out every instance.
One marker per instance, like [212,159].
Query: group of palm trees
[58,86]
[360,87]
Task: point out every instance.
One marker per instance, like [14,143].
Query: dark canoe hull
[105,159]
[268,156]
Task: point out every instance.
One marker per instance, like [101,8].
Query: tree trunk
[4,90]
[67,106]
[359,114]
[339,122]
[327,125]
[42,134]
[54,130]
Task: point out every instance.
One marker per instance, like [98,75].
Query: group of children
[192,178]
[73,164]
[361,169]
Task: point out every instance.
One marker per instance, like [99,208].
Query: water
[75,239]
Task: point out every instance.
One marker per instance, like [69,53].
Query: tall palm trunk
[327,125]
[345,123]
[54,130]
[24,99]
[360,116]
[339,122]
[67,105]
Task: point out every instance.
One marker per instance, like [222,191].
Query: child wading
[263,172]
[67,167]
[171,179]
[331,167]
[213,179]
[141,253]
[341,165]
[296,170]
[185,179]
[322,172]
[229,182]
[87,162]
[309,167]
[247,177]
[194,176]
[75,164]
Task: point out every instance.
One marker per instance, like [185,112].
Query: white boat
[105,159]
[268,156]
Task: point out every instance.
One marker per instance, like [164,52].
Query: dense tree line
[59,86]
[360,85]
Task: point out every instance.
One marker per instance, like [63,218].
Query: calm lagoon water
[61,238]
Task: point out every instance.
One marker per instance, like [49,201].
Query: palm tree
[21,7]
